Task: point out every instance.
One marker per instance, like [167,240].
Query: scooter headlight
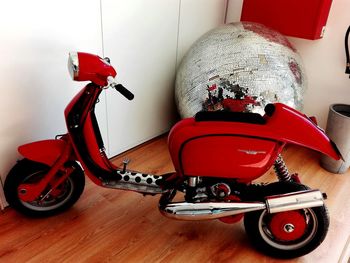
[73,65]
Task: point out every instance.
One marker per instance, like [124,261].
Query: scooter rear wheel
[287,234]
[59,200]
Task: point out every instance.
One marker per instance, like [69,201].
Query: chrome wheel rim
[49,202]
[268,237]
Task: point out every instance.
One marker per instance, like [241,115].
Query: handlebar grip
[124,91]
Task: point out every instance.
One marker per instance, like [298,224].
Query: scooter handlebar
[120,88]
[124,91]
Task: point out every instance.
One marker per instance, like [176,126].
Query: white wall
[324,60]
[196,18]
[36,37]
[144,39]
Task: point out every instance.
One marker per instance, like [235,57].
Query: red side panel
[298,18]
[46,152]
[239,150]
[221,149]
[228,156]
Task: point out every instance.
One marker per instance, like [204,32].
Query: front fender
[47,151]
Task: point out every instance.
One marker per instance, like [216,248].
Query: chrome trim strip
[252,152]
[73,65]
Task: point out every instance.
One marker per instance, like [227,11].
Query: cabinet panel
[145,40]
[140,38]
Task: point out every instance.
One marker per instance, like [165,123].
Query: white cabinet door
[140,38]
[145,40]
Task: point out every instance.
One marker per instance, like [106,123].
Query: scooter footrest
[139,182]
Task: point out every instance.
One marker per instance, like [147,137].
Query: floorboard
[117,226]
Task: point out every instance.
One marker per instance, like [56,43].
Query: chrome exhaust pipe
[294,201]
[215,210]
[205,211]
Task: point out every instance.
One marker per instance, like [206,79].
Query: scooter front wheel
[287,234]
[59,200]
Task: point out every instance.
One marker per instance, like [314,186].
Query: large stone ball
[239,67]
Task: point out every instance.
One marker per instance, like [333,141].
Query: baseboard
[117,152]
[345,256]
[3,202]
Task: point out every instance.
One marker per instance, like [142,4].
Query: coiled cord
[347,69]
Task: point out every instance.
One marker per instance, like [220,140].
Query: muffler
[294,201]
[215,210]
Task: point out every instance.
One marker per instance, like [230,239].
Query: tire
[288,234]
[26,171]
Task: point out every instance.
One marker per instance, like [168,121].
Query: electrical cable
[347,69]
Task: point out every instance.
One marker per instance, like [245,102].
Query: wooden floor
[117,226]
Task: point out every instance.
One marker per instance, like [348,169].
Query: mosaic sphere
[239,67]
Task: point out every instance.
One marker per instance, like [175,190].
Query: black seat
[245,117]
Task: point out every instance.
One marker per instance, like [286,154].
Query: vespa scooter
[216,156]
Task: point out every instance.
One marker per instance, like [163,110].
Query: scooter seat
[246,117]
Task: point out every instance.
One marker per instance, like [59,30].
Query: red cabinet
[298,18]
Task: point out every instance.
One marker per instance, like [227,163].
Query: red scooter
[216,156]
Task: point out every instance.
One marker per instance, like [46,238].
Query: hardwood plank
[107,225]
